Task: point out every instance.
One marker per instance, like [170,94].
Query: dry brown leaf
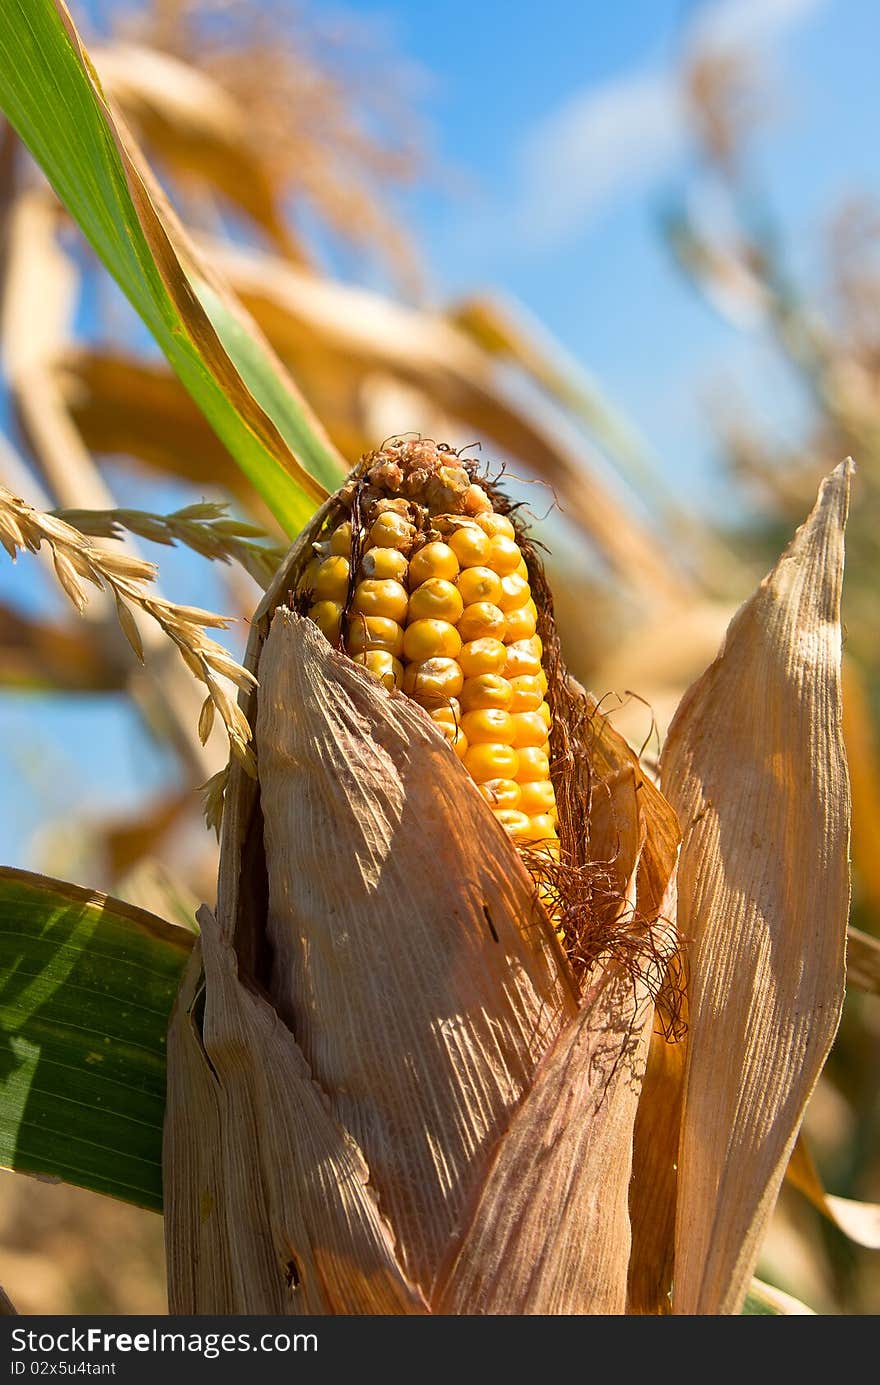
[863,757]
[359,332]
[862,961]
[197,129]
[37,654]
[860,1221]
[755,767]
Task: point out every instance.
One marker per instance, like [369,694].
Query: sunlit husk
[755,767]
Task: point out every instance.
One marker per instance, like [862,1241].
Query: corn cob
[426,586]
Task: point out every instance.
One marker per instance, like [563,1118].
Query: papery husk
[754,764]
[860,1221]
[419,990]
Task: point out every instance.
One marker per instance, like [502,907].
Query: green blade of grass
[86,989]
[53,98]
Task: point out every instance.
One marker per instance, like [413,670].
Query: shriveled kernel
[485,690]
[482,656]
[488,725]
[476,500]
[515,592]
[537,796]
[528,728]
[470,546]
[479,584]
[309,573]
[526,693]
[381,597]
[504,555]
[330,581]
[481,621]
[501,793]
[434,560]
[434,680]
[340,540]
[390,530]
[436,599]
[514,822]
[493,524]
[327,615]
[431,639]
[491,761]
[383,564]
[374,632]
[521,623]
[532,764]
[383,666]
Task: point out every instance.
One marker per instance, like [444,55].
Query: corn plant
[487,1018]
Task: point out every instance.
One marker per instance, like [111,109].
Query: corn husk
[391,1090]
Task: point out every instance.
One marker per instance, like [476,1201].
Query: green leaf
[53,98]
[86,988]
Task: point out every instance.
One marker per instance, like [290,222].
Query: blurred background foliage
[287,139]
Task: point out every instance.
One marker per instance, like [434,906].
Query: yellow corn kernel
[434,560]
[532,763]
[470,546]
[522,622]
[489,725]
[528,728]
[384,564]
[482,656]
[545,714]
[501,793]
[537,796]
[514,822]
[493,524]
[479,584]
[504,555]
[522,659]
[436,599]
[434,680]
[431,639]
[390,530]
[340,540]
[541,828]
[515,592]
[374,632]
[521,569]
[327,615]
[476,501]
[448,715]
[381,597]
[383,667]
[526,693]
[482,621]
[491,761]
[330,582]
[485,689]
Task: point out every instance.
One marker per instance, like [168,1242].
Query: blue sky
[560,127]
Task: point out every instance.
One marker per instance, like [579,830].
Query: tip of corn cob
[426,586]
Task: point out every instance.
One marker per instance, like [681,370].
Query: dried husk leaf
[551,1232]
[409,954]
[267,1204]
[754,765]
[860,1221]
[862,961]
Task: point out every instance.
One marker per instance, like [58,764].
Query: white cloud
[626,133]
